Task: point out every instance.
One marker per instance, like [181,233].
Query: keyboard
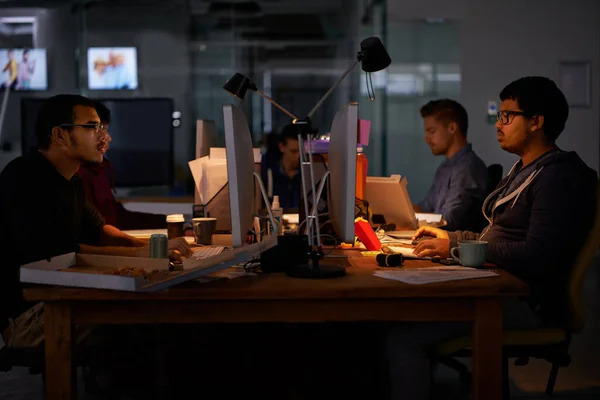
[208,251]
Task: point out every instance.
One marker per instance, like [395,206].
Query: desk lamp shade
[374,55]
[238,85]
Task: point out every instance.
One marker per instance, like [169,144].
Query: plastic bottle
[277,216]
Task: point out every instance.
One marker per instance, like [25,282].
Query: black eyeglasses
[504,116]
[95,127]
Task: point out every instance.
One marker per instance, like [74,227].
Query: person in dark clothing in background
[533,232]
[461,181]
[42,196]
[99,184]
[281,169]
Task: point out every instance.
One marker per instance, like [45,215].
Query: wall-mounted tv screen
[112,68]
[23,69]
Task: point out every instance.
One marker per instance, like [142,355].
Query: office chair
[551,344]
[35,362]
[10,358]
[494,176]
[494,173]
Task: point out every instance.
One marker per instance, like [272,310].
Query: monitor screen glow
[112,68]
[23,69]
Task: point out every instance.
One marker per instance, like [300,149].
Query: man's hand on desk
[145,252]
[178,247]
[181,245]
[433,248]
[431,231]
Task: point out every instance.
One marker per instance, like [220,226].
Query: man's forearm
[114,250]
[112,236]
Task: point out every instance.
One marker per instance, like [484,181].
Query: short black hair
[290,131]
[55,111]
[103,112]
[26,51]
[537,95]
[447,110]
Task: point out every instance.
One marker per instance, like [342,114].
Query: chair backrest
[584,260]
[494,176]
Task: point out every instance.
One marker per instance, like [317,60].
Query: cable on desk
[334,239]
[252,265]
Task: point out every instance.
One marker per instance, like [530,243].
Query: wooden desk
[359,296]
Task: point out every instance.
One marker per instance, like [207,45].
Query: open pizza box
[96,271]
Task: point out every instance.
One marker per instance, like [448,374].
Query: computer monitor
[240,172]
[206,137]
[342,169]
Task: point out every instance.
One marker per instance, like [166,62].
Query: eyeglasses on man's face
[99,129]
[506,117]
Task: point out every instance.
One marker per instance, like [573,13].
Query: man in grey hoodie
[533,232]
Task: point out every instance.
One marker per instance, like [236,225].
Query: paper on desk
[210,175]
[364,130]
[420,276]
[219,153]
[429,218]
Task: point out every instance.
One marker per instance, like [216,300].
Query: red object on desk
[365,233]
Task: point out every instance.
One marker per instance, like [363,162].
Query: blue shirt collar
[459,154]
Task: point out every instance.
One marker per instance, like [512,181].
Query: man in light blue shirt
[461,181]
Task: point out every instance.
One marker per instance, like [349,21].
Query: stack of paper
[420,276]
[210,175]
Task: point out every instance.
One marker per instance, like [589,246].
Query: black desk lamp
[373,57]
[238,85]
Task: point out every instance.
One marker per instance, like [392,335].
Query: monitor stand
[316,270]
[312,270]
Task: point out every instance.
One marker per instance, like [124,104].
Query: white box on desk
[56,270]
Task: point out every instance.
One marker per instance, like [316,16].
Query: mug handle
[457,258]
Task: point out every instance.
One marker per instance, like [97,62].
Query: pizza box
[95,271]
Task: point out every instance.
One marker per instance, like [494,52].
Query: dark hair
[290,131]
[103,112]
[447,110]
[537,95]
[55,111]
[26,51]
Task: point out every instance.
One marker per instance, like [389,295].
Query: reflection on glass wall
[425,66]
[293,50]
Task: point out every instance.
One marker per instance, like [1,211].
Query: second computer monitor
[240,172]
[342,167]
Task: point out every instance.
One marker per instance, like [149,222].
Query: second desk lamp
[373,57]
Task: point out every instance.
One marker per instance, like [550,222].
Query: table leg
[60,368]
[487,350]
